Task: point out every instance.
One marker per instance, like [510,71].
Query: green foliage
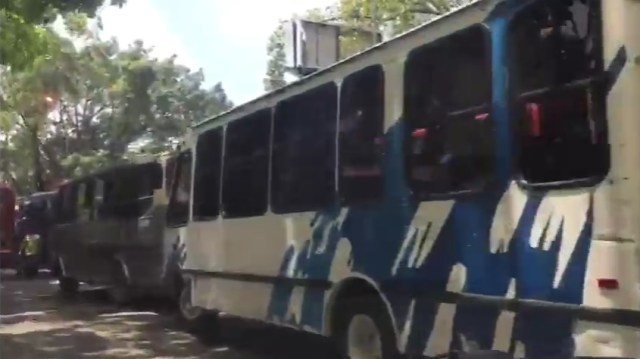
[276,63]
[86,108]
[23,35]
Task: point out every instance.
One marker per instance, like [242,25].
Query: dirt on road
[36,323]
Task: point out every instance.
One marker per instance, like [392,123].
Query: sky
[226,38]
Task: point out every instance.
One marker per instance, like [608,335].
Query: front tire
[363,329]
[188,312]
[203,324]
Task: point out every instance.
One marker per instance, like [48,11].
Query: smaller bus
[7,220]
[110,231]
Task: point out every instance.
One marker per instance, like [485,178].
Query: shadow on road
[270,341]
[37,323]
[89,327]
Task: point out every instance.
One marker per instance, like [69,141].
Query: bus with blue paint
[465,187]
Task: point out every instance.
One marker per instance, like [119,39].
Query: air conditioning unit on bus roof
[142,158]
[310,46]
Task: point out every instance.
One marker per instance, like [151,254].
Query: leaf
[102,99]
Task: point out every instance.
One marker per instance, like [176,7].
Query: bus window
[85,200]
[206,183]
[68,199]
[558,73]
[179,201]
[246,166]
[98,197]
[361,140]
[128,191]
[304,151]
[449,145]
[169,173]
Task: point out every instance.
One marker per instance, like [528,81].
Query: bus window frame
[491,182]
[185,155]
[515,100]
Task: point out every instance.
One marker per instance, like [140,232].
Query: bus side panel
[615,253]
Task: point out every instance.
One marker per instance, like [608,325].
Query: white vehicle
[470,185]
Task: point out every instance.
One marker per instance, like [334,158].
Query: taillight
[608,283]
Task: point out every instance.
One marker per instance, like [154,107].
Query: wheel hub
[363,338]
[188,311]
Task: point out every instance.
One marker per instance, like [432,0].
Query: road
[36,323]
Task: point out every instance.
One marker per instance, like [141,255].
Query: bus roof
[270,98]
[112,170]
[38,195]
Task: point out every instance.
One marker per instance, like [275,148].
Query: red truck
[7,222]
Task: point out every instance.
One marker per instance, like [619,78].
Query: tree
[401,15]
[398,15]
[276,63]
[23,38]
[95,106]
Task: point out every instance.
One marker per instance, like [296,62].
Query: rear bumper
[7,259]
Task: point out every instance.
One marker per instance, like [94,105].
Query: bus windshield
[557,73]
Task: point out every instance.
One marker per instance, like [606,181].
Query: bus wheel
[68,286]
[363,329]
[31,272]
[190,315]
[188,312]
[119,291]
[196,320]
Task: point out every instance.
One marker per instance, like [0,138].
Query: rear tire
[31,272]
[119,292]
[68,287]
[363,329]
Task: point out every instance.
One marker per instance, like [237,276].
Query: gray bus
[110,231]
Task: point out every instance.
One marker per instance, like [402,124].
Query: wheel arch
[354,285]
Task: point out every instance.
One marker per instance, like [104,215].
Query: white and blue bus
[469,185]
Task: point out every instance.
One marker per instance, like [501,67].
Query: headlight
[32,237]
[144,222]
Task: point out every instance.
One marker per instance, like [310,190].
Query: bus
[466,187]
[7,224]
[110,231]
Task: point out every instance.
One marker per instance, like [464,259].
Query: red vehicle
[7,222]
